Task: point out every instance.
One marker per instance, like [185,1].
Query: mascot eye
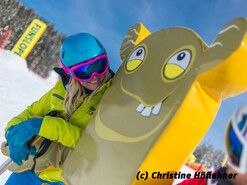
[135,59]
[182,59]
[177,64]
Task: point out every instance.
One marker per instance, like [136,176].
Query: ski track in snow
[19,87]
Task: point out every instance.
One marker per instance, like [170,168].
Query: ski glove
[19,153]
[19,135]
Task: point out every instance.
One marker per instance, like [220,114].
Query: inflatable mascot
[162,101]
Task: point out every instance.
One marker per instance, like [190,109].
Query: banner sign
[4,36]
[29,38]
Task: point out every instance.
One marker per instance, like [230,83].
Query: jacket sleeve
[53,128]
[57,129]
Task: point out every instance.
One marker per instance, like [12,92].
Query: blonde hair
[76,92]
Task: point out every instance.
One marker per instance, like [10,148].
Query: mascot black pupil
[139,52]
[181,56]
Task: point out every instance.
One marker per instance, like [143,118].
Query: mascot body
[162,101]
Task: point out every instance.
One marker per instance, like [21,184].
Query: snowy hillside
[19,87]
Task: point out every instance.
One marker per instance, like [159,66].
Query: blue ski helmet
[80,47]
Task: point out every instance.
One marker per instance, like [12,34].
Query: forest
[45,54]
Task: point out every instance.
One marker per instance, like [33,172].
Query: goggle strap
[71,72]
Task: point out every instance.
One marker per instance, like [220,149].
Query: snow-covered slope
[19,87]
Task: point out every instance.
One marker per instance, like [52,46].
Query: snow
[19,87]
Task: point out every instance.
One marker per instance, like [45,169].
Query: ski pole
[5,165]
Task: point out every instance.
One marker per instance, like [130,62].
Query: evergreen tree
[208,156]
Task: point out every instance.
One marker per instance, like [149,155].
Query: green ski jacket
[65,129]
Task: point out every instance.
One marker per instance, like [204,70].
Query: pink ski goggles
[85,71]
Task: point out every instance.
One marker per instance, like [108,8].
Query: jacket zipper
[69,116]
[58,96]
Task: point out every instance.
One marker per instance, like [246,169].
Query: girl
[84,78]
